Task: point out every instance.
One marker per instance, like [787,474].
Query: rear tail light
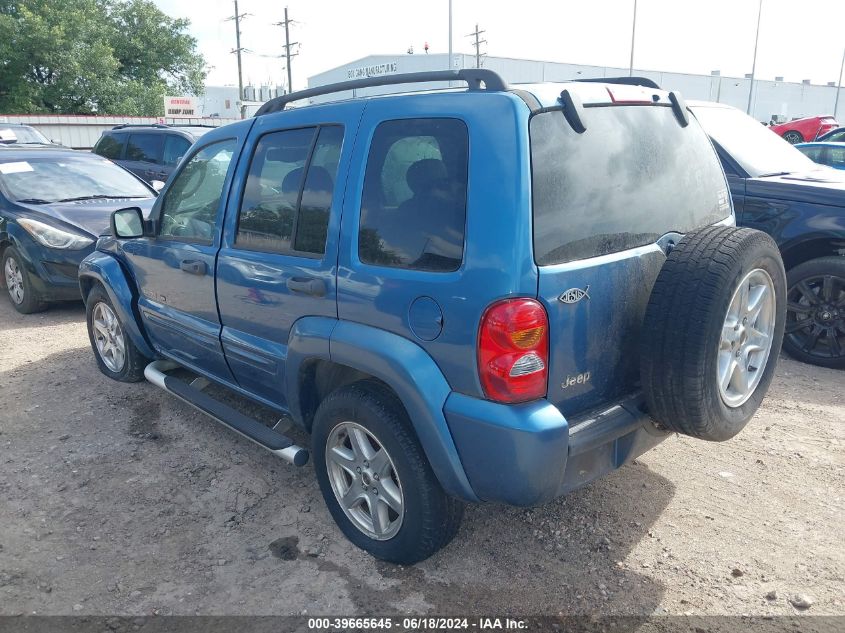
[513,350]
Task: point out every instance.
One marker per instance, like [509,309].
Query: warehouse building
[778,99]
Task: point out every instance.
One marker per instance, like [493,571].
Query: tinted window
[110,145]
[413,207]
[634,175]
[144,147]
[288,193]
[175,147]
[190,207]
[835,156]
[836,137]
[813,153]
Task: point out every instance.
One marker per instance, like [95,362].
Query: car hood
[91,216]
[819,186]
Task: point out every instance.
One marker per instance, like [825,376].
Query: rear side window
[634,175]
[288,194]
[413,207]
[110,146]
[145,148]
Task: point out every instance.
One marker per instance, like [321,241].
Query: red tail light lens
[513,350]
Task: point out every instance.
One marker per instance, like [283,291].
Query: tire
[19,289]
[428,517]
[694,332]
[816,298]
[792,137]
[99,308]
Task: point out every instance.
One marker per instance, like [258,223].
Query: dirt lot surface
[119,499]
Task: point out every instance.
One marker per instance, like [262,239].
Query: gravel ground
[119,499]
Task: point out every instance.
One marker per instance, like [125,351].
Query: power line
[238,49]
[477,44]
[287,46]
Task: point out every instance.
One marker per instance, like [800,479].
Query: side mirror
[55,141]
[158,185]
[127,223]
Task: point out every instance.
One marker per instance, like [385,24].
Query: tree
[94,57]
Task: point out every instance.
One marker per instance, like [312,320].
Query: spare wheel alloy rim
[14,280]
[746,338]
[108,337]
[364,481]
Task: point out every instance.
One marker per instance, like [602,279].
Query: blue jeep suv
[481,294]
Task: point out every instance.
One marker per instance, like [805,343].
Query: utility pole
[633,35]
[839,86]
[450,37]
[238,49]
[288,45]
[754,63]
[477,44]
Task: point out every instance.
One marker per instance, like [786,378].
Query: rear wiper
[97,197]
[33,201]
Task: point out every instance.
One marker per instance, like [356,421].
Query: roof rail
[630,81]
[120,126]
[474,77]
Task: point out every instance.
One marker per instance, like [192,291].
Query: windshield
[757,149]
[23,134]
[68,176]
[634,175]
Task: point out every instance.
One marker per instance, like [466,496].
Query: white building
[783,100]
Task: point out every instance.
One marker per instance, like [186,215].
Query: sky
[693,36]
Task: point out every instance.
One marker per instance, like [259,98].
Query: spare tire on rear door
[712,331]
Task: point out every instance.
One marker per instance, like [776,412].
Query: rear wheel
[793,137]
[23,296]
[815,312]
[375,478]
[712,330]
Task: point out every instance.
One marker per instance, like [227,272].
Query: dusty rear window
[634,175]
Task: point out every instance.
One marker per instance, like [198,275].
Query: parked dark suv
[489,294]
[149,151]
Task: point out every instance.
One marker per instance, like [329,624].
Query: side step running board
[280,445]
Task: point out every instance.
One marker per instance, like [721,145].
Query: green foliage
[94,56]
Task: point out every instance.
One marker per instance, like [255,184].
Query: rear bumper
[529,454]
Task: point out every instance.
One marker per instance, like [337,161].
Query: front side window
[288,193]
[190,207]
[175,147]
[145,148]
[413,206]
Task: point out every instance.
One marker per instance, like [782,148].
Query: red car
[807,129]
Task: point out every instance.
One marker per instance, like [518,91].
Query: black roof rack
[474,77]
[630,81]
[121,126]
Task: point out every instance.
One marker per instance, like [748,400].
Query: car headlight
[52,237]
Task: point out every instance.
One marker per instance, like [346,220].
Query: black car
[801,204]
[54,203]
[14,134]
[836,135]
[148,151]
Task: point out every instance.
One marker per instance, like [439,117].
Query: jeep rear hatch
[602,199]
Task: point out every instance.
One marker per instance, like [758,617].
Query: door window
[175,147]
[145,148]
[189,210]
[413,207]
[836,157]
[288,192]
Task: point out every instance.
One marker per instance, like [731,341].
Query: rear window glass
[634,175]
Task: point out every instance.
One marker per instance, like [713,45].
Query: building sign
[376,70]
[184,107]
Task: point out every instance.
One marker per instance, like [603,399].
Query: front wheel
[375,478]
[116,355]
[815,317]
[23,296]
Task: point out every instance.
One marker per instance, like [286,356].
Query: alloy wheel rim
[746,340]
[815,316]
[108,337]
[14,280]
[364,481]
